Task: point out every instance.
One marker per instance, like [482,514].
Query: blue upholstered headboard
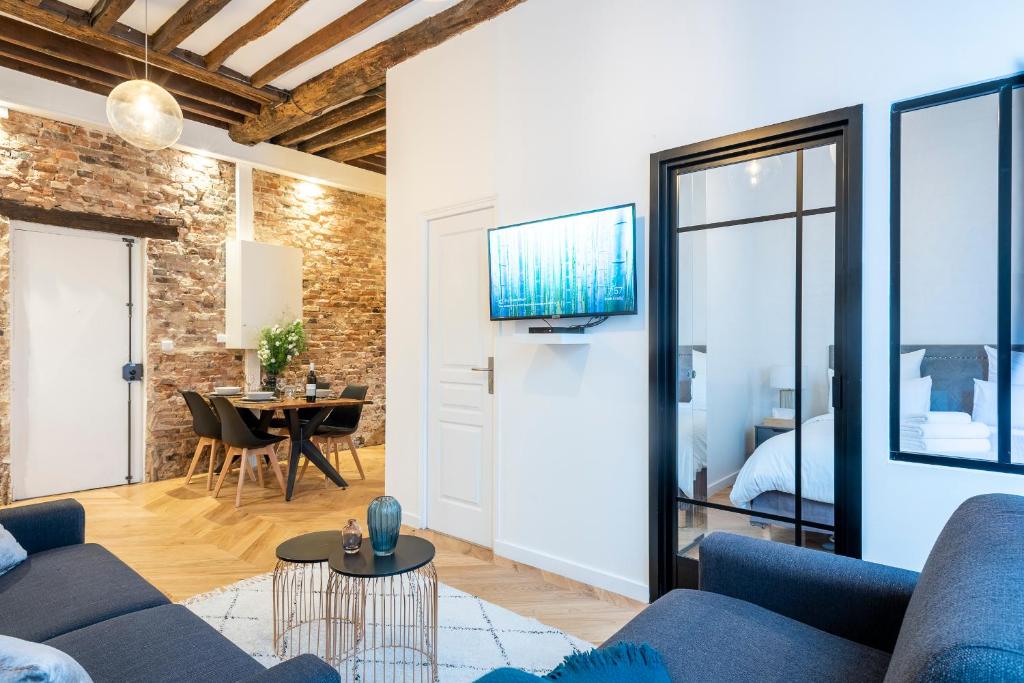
[953,369]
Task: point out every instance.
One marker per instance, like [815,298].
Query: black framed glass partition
[957,297]
[755,342]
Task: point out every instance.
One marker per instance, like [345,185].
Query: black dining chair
[207,428]
[241,441]
[339,427]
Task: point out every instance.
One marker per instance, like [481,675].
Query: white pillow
[915,396]
[11,552]
[24,661]
[699,385]
[986,404]
[1016,365]
[910,364]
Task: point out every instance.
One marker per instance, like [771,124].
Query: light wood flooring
[186,542]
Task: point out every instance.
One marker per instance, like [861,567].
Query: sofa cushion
[60,590]
[964,619]
[709,637]
[166,643]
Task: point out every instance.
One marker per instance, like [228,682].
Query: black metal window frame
[844,128]
[1003,88]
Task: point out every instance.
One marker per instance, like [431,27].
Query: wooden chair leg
[355,456]
[203,441]
[259,470]
[229,457]
[245,467]
[213,463]
[275,467]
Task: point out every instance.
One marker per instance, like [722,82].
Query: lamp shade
[144,114]
[783,377]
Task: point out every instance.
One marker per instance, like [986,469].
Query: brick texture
[60,165]
[341,235]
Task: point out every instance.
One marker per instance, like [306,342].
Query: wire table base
[300,608]
[383,628]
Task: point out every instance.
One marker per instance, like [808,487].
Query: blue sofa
[79,598]
[771,612]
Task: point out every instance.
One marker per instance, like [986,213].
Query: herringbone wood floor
[186,542]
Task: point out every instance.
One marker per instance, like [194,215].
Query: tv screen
[570,266]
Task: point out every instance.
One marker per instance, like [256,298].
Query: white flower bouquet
[279,345]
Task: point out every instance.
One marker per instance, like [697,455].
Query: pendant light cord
[145,40]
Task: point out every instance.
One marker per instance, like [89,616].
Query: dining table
[300,430]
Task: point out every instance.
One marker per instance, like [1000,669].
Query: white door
[460,420]
[70,336]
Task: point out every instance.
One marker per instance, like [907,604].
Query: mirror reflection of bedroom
[756,318]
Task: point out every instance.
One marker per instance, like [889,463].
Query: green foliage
[279,345]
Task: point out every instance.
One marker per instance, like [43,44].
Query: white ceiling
[312,16]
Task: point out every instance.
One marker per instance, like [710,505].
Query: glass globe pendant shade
[144,114]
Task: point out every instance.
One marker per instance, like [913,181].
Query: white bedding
[692,446]
[771,468]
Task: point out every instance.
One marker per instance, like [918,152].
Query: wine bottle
[311,384]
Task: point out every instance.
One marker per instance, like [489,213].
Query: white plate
[227,391]
[260,395]
[323,393]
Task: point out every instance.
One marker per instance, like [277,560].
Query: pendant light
[143,113]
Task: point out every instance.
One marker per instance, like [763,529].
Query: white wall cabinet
[264,287]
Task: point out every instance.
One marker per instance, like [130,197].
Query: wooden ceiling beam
[368,164]
[71,22]
[260,25]
[88,73]
[184,22]
[373,102]
[105,13]
[350,131]
[58,46]
[366,70]
[364,15]
[373,143]
[93,87]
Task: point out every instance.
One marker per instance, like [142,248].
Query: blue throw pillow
[11,552]
[22,661]
[621,663]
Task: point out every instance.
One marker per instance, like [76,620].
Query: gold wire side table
[300,593]
[382,613]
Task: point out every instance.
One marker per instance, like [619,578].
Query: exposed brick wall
[342,238]
[56,164]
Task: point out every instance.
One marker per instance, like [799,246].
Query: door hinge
[131,372]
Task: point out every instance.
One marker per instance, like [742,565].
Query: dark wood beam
[356,109]
[71,22]
[257,27]
[350,131]
[185,22]
[88,73]
[366,70]
[105,13]
[364,15]
[58,46]
[368,164]
[193,113]
[84,220]
[373,143]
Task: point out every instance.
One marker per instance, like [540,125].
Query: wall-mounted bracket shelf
[552,339]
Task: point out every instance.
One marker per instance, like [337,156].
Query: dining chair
[207,428]
[338,429]
[245,443]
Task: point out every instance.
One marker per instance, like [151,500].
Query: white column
[245,230]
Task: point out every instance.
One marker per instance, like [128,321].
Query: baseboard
[572,570]
[411,519]
[716,486]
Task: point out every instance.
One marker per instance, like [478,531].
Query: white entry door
[461,412]
[70,337]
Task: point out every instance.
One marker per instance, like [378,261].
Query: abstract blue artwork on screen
[570,266]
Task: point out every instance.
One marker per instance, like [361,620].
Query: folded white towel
[939,417]
[958,446]
[945,430]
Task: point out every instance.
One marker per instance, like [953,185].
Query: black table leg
[302,444]
[310,450]
[294,449]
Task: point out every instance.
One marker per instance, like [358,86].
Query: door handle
[490,374]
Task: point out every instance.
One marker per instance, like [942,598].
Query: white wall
[555,107]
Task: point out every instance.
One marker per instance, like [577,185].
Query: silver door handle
[490,373]
[482,369]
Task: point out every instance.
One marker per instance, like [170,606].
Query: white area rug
[474,636]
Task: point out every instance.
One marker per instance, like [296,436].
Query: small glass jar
[351,537]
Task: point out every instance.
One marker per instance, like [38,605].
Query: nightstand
[764,432]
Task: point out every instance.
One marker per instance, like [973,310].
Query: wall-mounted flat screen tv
[581,265]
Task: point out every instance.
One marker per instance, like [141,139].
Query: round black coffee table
[382,613]
[300,585]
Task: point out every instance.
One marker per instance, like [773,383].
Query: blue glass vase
[384,517]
